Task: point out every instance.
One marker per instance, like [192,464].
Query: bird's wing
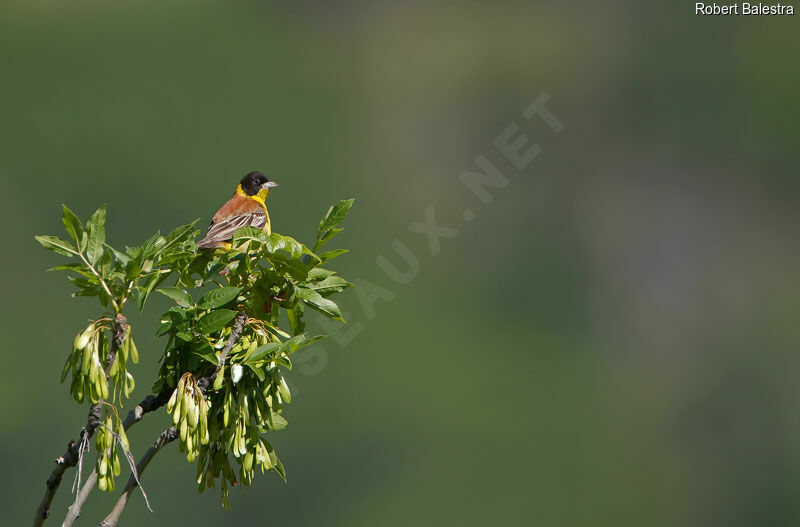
[222,231]
[236,213]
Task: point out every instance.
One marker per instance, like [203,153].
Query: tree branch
[167,436]
[73,453]
[238,326]
[149,404]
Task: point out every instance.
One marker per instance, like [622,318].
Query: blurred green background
[611,341]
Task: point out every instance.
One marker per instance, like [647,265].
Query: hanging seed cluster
[189,411]
[223,428]
[87,364]
[108,465]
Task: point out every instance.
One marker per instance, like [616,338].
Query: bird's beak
[269,185]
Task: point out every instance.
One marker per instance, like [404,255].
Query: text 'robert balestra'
[742,9]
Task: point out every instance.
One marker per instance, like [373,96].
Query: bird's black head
[255,182]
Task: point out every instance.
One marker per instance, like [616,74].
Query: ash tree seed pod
[176,412]
[184,429]
[77,389]
[83,338]
[114,367]
[108,438]
[102,468]
[284,390]
[182,383]
[134,352]
[220,378]
[93,392]
[116,468]
[185,401]
[77,343]
[242,447]
[192,414]
[236,438]
[66,370]
[203,421]
[123,349]
[93,374]
[86,359]
[128,384]
[171,403]
[123,437]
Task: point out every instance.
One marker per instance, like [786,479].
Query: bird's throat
[260,197]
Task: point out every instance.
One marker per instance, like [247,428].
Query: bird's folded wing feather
[222,230]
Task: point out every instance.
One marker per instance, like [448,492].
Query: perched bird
[246,207]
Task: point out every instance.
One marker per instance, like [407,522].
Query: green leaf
[329,308]
[179,234]
[330,255]
[72,224]
[104,264]
[298,342]
[219,297]
[76,267]
[277,466]
[277,349]
[330,285]
[262,352]
[258,370]
[207,353]
[148,287]
[181,297]
[120,256]
[96,226]
[293,266]
[247,233]
[215,320]
[295,316]
[278,242]
[56,244]
[278,422]
[318,273]
[327,235]
[335,216]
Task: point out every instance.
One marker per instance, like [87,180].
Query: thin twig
[167,436]
[131,463]
[238,326]
[84,447]
[74,450]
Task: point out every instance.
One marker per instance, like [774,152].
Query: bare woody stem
[167,436]
[238,326]
[73,453]
[171,433]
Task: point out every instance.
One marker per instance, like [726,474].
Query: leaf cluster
[260,277]
[227,383]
